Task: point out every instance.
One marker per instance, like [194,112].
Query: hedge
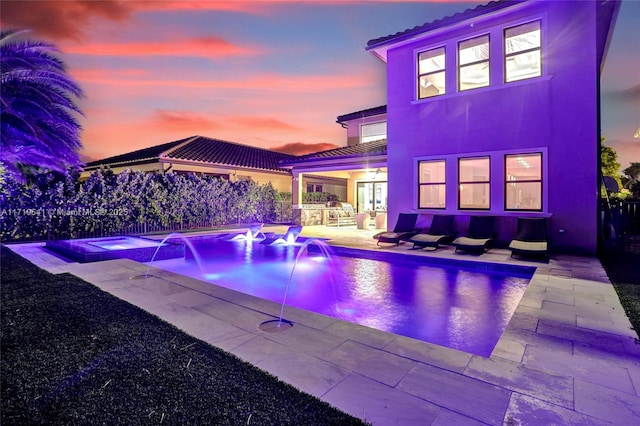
[60,206]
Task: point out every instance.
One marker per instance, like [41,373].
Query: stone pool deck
[568,356]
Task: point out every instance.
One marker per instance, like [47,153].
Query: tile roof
[361,150]
[361,114]
[201,149]
[141,155]
[443,22]
[208,150]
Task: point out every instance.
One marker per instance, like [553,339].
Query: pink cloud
[97,75]
[262,123]
[62,19]
[209,47]
[72,19]
[265,82]
[188,122]
[301,148]
[252,7]
[191,122]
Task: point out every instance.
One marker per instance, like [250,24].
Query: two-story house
[495,111]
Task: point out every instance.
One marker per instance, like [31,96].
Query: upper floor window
[473,63]
[523,181]
[431,184]
[522,52]
[474,183]
[431,73]
[373,132]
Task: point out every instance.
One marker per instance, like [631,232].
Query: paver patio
[568,355]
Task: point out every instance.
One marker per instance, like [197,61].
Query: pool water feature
[463,305]
[324,249]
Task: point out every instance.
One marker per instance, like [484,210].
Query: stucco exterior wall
[555,114]
[280,181]
[353,127]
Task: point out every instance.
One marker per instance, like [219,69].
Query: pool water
[463,305]
[124,243]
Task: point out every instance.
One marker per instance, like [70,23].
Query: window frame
[469,64]
[442,183]
[438,71]
[486,182]
[373,123]
[507,182]
[506,55]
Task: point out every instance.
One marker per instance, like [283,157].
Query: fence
[283,215]
[284,212]
[621,226]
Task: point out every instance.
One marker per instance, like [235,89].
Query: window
[318,188]
[431,73]
[522,52]
[373,132]
[474,183]
[314,188]
[473,63]
[431,184]
[523,181]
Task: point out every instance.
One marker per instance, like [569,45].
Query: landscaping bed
[73,354]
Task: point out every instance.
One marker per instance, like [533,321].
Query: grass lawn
[624,272]
[73,354]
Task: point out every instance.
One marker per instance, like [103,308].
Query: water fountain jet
[324,250]
[164,240]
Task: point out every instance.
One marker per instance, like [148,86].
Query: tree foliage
[632,174]
[609,162]
[57,206]
[611,167]
[633,171]
[37,107]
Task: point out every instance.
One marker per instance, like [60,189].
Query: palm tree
[37,110]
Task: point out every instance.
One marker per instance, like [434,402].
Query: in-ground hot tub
[134,248]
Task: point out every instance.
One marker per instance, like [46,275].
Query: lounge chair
[531,237]
[404,229]
[289,237]
[440,231]
[480,235]
[255,231]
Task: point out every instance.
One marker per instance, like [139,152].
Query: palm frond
[38,112]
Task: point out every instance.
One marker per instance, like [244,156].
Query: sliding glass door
[372,196]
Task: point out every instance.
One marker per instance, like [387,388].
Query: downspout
[599,214]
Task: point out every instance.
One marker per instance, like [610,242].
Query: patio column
[296,190]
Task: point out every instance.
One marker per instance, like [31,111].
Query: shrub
[57,205]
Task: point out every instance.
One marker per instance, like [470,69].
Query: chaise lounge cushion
[467,243]
[480,235]
[404,229]
[529,246]
[531,237]
[441,230]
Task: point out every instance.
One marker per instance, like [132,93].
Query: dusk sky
[269,74]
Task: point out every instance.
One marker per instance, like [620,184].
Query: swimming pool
[459,304]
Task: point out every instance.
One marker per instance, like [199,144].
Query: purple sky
[269,74]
